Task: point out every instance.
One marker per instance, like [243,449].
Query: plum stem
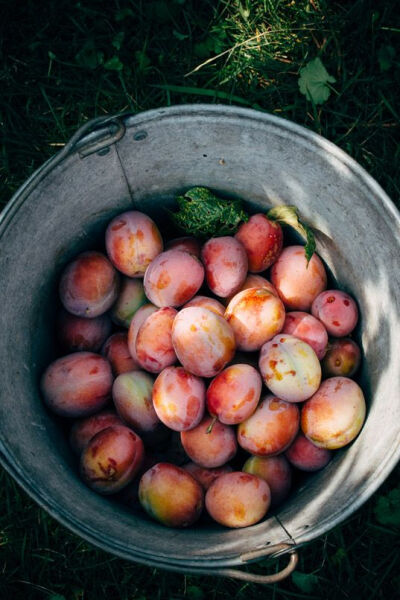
[211,425]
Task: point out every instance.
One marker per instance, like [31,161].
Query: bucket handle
[253,577]
[90,127]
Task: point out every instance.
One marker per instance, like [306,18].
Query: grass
[63,63]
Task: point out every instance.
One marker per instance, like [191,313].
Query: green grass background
[63,63]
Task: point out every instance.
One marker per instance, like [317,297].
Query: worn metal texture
[64,208]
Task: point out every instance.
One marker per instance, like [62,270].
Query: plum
[116,351]
[309,329]
[335,414]
[205,302]
[89,285]
[254,281]
[130,298]
[234,394]
[290,368]
[271,428]
[225,263]
[179,398]
[255,316]
[262,239]
[111,459]
[154,350]
[132,395]
[171,495]
[80,334]
[132,242]
[77,385]
[276,471]
[298,282]
[238,499]
[206,476]
[173,278]
[210,444]
[83,430]
[203,341]
[304,455]
[342,358]
[337,311]
[137,321]
[186,244]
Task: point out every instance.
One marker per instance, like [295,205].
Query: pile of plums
[164,357]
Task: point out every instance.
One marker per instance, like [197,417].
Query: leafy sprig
[202,214]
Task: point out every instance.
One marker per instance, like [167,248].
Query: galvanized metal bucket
[142,161]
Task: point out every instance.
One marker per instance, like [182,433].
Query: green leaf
[313,81]
[88,56]
[118,40]
[56,597]
[306,582]
[123,13]
[289,215]
[387,508]
[193,592]
[179,36]
[142,59]
[386,56]
[113,64]
[203,214]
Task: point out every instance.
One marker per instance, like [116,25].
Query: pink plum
[271,428]
[171,495]
[173,278]
[297,282]
[154,350]
[210,444]
[133,241]
[111,459]
[203,341]
[77,385]
[179,398]
[342,358]
[83,430]
[309,329]
[234,394]
[132,395]
[130,298]
[337,311]
[290,368]
[116,351]
[89,285]
[334,415]
[276,471]
[78,333]
[304,455]
[255,316]
[225,263]
[206,476]
[262,239]
[238,499]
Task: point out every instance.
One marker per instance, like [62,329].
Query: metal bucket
[142,161]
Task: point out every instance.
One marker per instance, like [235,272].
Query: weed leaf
[313,81]
[113,64]
[306,582]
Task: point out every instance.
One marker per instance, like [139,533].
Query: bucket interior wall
[266,161]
